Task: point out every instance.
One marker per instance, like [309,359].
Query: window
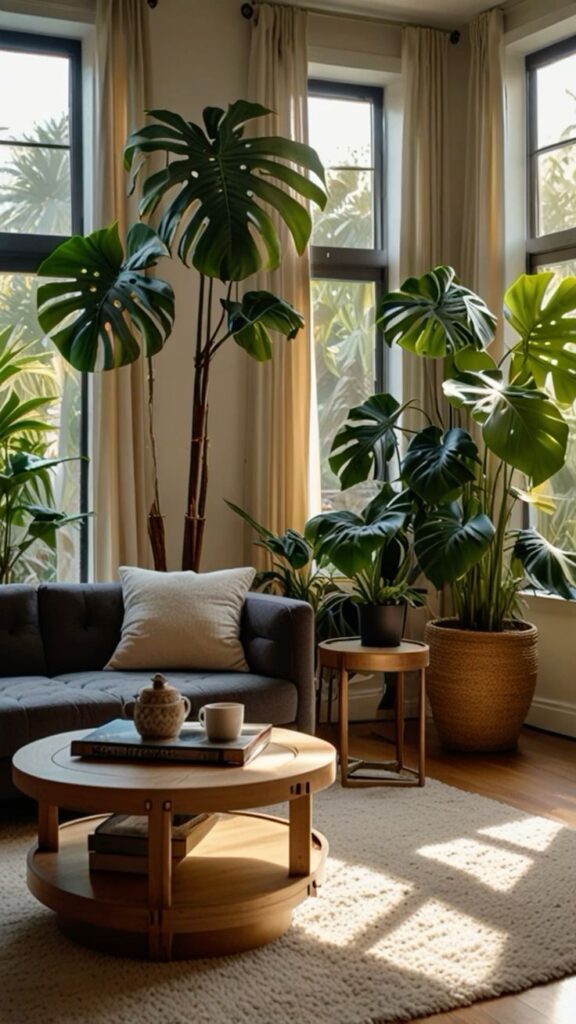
[348,263]
[551,75]
[41,205]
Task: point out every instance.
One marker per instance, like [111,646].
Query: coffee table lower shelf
[232,892]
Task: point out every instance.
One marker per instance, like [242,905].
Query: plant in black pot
[467,487]
[373,549]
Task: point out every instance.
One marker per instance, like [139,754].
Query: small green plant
[27,513]
[295,574]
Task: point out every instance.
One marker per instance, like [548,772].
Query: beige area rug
[434,899]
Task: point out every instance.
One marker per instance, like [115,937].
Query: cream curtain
[277,477]
[425,183]
[120,487]
[424,205]
[482,263]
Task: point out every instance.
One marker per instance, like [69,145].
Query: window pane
[560,527]
[341,132]
[49,375]
[34,89]
[344,343]
[35,194]
[557,190]
[556,107]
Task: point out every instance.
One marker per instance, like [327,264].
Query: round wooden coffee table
[235,890]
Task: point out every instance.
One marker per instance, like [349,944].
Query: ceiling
[439,13]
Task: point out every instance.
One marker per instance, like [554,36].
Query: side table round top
[349,653]
[47,771]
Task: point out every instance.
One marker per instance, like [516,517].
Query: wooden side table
[348,655]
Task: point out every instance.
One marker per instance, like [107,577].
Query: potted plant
[466,490]
[373,550]
[217,189]
[27,513]
[295,573]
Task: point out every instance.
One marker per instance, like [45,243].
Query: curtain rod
[248,11]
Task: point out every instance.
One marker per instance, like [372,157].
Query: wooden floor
[541,779]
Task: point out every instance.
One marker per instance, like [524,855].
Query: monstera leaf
[546,327]
[103,309]
[547,567]
[520,425]
[250,321]
[220,187]
[349,541]
[436,465]
[367,440]
[435,316]
[447,547]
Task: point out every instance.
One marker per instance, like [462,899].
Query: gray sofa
[55,640]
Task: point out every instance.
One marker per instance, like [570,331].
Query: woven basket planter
[480,685]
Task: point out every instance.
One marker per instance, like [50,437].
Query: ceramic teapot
[160,710]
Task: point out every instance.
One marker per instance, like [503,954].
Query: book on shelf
[127,835]
[120,739]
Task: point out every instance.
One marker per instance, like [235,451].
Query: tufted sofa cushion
[80,624]
[20,638]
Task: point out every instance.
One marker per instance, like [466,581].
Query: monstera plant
[216,197]
[466,485]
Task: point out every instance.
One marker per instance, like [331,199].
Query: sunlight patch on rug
[496,868]
[471,962]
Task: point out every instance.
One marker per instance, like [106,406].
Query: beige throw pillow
[182,620]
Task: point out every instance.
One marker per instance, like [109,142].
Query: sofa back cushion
[80,624]
[21,649]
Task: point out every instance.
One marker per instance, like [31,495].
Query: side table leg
[343,723]
[159,876]
[400,720]
[422,728]
[47,827]
[300,810]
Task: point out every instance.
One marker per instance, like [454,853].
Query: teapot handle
[186,704]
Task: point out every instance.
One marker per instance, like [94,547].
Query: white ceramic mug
[222,722]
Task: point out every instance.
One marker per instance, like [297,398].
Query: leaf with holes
[435,316]
[220,186]
[522,426]
[546,323]
[367,440]
[102,309]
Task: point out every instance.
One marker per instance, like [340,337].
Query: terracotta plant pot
[381,625]
[480,685]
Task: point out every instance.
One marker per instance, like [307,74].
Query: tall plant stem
[156,532]
[196,441]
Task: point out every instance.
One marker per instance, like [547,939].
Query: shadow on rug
[434,899]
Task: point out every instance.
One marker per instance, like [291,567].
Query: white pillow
[182,620]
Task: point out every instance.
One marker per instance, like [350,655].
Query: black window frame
[355,264]
[23,253]
[559,245]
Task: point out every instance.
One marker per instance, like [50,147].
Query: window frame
[23,253]
[354,264]
[558,245]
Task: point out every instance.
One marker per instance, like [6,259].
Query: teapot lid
[160,692]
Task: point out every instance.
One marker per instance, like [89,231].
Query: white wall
[199,55]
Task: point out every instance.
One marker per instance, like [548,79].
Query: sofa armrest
[278,639]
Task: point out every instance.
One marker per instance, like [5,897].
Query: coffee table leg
[47,827]
[300,809]
[159,876]
[400,720]
[343,722]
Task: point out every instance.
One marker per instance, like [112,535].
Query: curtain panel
[482,262]
[279,392]
[121,485]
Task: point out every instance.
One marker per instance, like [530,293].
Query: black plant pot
[381,625]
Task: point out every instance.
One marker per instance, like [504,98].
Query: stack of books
[121,842]
[119,739]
